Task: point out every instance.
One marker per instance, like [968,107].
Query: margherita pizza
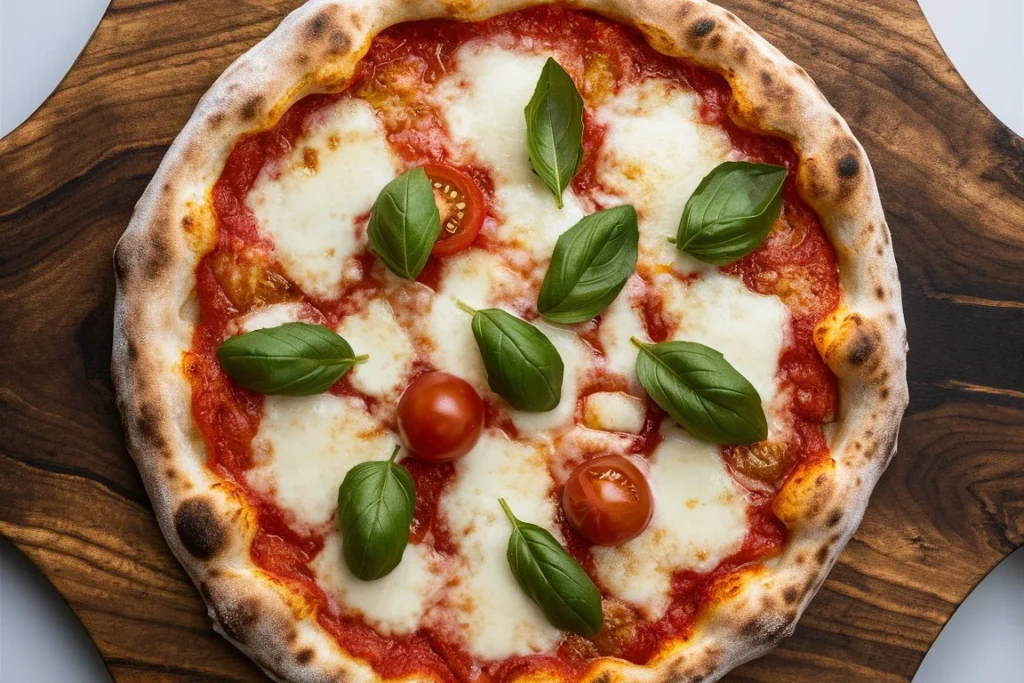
[500,341]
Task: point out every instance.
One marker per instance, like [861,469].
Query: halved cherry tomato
[461,205]
[440,417]
[608,500]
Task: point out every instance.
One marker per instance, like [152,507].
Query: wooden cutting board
[952,181]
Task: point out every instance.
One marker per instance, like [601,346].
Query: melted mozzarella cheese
[477,278]
[614,411]
[394,604]
[483,102]
[655,154]
[700,518]
[493,614]
[275,315]
[577,358]
[719,311]
[306,445]
[309,209]
[620,322]
[375,332]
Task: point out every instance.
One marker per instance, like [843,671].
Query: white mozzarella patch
[583,443]
[310,213]
[394,604]
[275,315]
[656,152]
[476,278]
[375,332]
[619,323]
[493,614]
[483,102]
[614,411]
[700,518]
[306,445]
[719,311]
[578,360]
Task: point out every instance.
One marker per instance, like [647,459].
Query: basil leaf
[731,212]
[701,391]
[553,579]
[554,128]
[294,359]
[590,265]
[405,223]
[523,366]
[376,502]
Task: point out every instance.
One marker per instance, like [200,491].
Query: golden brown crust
[315,49]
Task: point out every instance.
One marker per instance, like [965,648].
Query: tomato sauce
[796,263]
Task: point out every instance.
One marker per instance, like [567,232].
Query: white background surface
[40,640]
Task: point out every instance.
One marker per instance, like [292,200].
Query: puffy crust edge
[209,528]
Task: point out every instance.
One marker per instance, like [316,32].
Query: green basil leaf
[554,128]
[294,359]
[376,502]
[405,223]
[523,366]
[731,212]
[701,391]
[553,579]
[590,265]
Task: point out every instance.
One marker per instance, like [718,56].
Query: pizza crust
[205,521]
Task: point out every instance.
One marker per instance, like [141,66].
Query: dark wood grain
[952,181]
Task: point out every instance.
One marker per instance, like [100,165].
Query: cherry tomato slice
[440,417]
[608,500]
[461,205]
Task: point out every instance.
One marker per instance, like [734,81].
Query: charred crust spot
[820,480]
[148,425]
[834,517]
[715,42]
[170,474]
[883,393]
[880,293]
[604,677]
[800,558]
[339,42]
[790,595]
[821,556]
[132,351]
[741,54]
[157,259]
[317,26]
[766,78]
[238,619]
[304,656]
[879,250]
[200,531]
[216,120]
[848,166]
[702,28]
[252,107]
[861,349]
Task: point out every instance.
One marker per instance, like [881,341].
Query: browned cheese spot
[196,523]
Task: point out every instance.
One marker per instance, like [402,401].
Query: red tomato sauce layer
[241,272]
